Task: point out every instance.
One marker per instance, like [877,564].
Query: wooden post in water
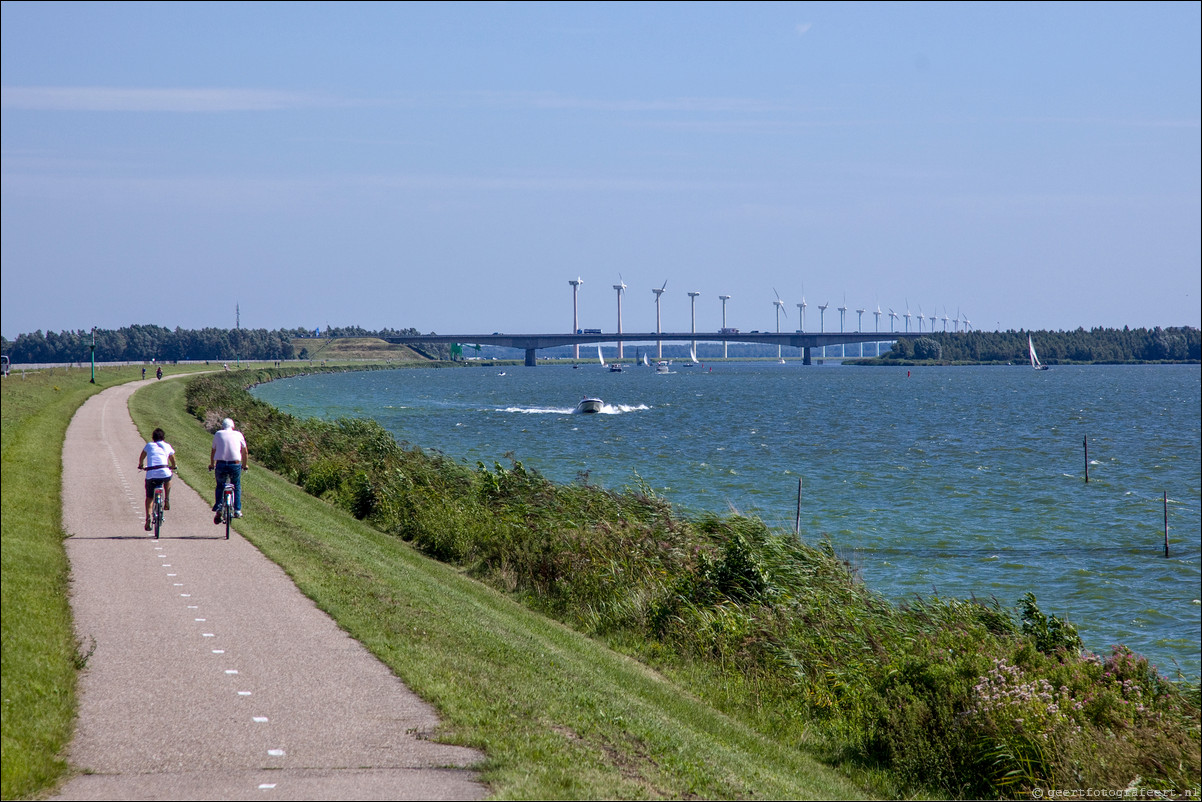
[1166,524]
[797,523]
[1085,445]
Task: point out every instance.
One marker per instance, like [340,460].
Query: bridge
[531,343]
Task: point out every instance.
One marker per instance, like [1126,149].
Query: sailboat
[1035,363]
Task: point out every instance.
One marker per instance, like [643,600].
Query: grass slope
[559,715]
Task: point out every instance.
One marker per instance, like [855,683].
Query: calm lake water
[958,481]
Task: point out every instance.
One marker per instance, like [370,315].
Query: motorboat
[588,406]
[662,367]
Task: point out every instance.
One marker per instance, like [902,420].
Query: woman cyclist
[158,459]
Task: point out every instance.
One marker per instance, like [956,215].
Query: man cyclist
[228,459]
[158,459]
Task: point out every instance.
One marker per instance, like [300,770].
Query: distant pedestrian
[143,373]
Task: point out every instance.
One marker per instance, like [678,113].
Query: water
[958,481]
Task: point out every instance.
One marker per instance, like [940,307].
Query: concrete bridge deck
[531,343]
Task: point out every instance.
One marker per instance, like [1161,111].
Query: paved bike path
[212,676]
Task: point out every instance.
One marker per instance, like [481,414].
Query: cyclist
[228,458]
[158,458]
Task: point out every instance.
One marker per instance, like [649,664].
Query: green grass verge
[558,715]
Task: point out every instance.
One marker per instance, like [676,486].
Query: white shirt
[228,445]
[158,454]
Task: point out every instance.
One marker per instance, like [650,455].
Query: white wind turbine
[576,282]
[956,321]
[621,288]
[724,299]
[822,322]
[945,320]
[780,307]
[921,317]
[842,315]
[876,347]
[860,326]
[907,316]
[802,308]
[659,344]
[693,300]
[892,319]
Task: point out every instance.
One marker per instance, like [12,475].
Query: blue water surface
[956,481]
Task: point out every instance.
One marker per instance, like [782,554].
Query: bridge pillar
[805,356]
[530,361]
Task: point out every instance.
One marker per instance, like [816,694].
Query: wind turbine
[780,307]
[907,316]
[945,320]
[842,315]
[892,319]
[802,308]
[621,288]
[921,317]
[576,282]
[822,322]
[724,299]
[860,326]
[967,324]
[956,321]
[659,344]
[876,347]
[693,300]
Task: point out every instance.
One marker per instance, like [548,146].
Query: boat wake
[606,409]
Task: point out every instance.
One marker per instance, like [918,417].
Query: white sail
[599,357]
[1035,363]
[693,354]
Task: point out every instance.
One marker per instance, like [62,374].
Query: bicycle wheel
[158,515]
[227,513]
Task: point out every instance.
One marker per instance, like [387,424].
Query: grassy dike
[559,715]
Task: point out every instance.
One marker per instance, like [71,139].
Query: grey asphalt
[212,676]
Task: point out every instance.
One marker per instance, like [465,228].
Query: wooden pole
[1085,445]
[1166,524]
[797,523]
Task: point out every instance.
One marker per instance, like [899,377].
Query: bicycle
[225,508]
[157,505]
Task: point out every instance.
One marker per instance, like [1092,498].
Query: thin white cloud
[803,28]
[104,98]
[551,100]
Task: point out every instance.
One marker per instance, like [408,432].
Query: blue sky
[451,166]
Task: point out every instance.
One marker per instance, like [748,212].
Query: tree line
[145,343]
[140,343]
[1174,344]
